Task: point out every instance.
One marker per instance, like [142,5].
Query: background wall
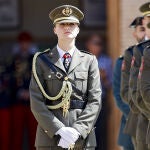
[34,18]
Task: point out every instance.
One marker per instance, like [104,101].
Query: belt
[74,104]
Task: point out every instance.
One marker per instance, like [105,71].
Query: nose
[66,26]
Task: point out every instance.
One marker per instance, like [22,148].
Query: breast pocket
[52,83]
[81,80]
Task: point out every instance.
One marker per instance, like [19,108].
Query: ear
[78,30]
[134,34]
[54,29]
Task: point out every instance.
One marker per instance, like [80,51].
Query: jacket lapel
[76,60]
[55,59]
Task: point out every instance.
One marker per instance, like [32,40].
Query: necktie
[67,60]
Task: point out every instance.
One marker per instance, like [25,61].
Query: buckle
[59,75]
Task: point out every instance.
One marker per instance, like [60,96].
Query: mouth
[67,32]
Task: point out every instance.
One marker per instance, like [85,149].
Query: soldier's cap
[137,21]
[145,9]
[66,14]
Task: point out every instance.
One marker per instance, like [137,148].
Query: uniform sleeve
[45,118]
[134,71]
[88,117]
[145,79]
[116,88]
[125,73]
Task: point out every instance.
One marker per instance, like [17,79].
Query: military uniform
[123,139]
[83,71]
[63,98]
[145,10]
[142,120]
[144,84]
[132,118]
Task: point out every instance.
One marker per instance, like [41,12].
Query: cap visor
[67,21]
[147,15]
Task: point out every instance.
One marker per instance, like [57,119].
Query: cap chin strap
[66,18]
[146,13]
[65,91]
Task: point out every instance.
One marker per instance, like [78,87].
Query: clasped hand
[68,135]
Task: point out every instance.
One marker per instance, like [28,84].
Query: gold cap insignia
[67,11]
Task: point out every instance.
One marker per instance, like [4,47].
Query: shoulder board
[86,52]
[148,46]
[45,51]
[131,47]
[141,46]
[144,43]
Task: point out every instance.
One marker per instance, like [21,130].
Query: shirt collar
[146,38]
[62,52]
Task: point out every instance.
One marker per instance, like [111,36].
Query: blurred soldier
[144,83]
[124,63]
[22,118]
[65,88]
[131,123]
[124,140]
[5,104]
[142,124]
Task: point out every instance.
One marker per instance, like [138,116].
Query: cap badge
[67,11]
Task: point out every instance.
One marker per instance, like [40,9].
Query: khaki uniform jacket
[139,58]
[84,72]
[131,123]
[136,97]
[125,74]
[145,85]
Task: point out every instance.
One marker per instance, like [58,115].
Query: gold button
[45,131]
[66,78]
[49,76]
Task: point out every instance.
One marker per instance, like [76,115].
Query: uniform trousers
[142,126]
[22,118]
[57,148]
[5,129]
[134,141]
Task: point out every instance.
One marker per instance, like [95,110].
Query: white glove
[69,134]
[64,144]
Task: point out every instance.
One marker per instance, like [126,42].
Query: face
[94,45]
[66,30]
[146,20]
[24,45]
[139,33]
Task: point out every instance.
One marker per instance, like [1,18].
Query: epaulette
[147,47]
[142,45]
[86,52]
[45,51]
[130,49]
[42,52]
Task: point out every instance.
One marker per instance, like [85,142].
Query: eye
[72,24]
[62,24]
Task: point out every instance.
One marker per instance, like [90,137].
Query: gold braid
[65,91]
